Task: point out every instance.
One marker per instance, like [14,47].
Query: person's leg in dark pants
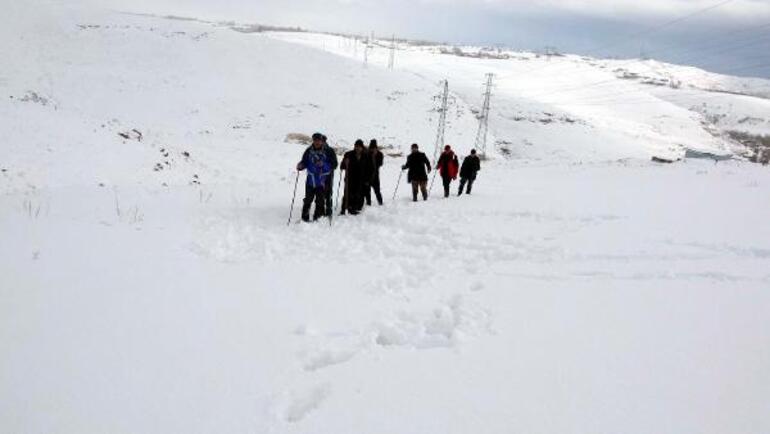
[330,196]
[355,196]
[447,180]
[462,186]
[415,186]
[368,194]
[377,192]
[307,202]
[320,203]
[424,188]
[356,203]
[470,185]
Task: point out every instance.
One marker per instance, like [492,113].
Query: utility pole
[366,50]
[481,135]
[642,52]
[550,52]
[392,58]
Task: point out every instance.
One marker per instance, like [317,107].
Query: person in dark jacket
[356,164]
[448,166]
[330,191]
[471,166]
[320,161]
[373,178]
[419,167]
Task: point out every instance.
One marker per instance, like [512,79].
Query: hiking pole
[339,184]
[293,197]
[346,195]
[330,206]
[400,175]
[435,172]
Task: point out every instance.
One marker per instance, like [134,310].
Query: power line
[661,26]
[731,45]
[612,97]
[667,48]
[728,48]
[636,35]
[709,95]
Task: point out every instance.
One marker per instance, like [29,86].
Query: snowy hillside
[149,282]
[606,109]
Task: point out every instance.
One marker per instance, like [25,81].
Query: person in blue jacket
[320,161]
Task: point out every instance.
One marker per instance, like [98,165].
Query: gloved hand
[300,166]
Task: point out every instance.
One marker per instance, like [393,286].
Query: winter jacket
[357,170]
[417,163]
[320,165]
[448,165]
[375,160]
[471,166]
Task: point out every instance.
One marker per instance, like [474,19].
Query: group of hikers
[362,175]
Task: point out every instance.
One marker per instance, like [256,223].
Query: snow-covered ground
[150,284]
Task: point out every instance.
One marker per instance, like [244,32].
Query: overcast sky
[727,39]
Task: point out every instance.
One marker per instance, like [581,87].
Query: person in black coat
[330,192]
[356,164]
[376,158]
[471,166]
[419,167]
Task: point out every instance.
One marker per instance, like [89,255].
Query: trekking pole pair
[294,197]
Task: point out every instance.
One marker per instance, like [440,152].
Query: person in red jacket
[448,166]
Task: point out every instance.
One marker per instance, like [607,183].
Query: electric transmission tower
[481,135]
[369,46]
[392,58]
[440,140]
[442,121]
